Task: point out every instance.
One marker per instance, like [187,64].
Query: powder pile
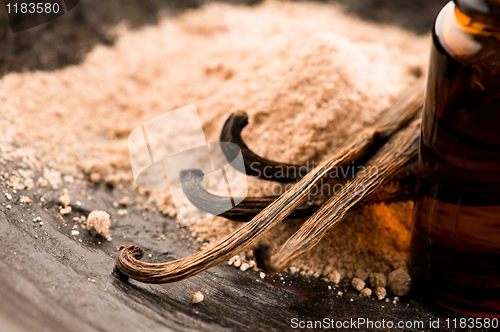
[318,73]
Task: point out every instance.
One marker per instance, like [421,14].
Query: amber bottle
[456,233]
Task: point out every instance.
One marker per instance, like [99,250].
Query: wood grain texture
[58,283]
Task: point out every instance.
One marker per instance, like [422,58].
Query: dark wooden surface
[58,283]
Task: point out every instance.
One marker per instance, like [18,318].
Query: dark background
[67,39]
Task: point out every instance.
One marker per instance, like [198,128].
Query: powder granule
[65,211]
[65,198]
[399,282]
[366,292]
[25,200]
[358,284]
[380,293]
[95,177]
[197,297]
[334,277]
[122,212]
[98,223]
[124,201]
[378,280]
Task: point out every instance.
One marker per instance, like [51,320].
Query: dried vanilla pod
[400,149]
[244,211]
[393,120]
[266,169]
[255,164]
[251,206]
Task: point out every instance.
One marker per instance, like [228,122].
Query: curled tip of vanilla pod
[256,165]
[131,251]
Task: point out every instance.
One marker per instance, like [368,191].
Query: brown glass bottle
[456,234]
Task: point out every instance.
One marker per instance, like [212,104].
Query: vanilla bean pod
[260,167]
[256,165]
[251,206]
[128,258]
[401,148]
[244,211]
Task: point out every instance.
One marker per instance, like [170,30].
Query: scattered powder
[98,223]
[124,201]
[197,297]
[25,200]
[358,284]
[79,220]
[52,178]
[66,210]
[110,179]
[378,280]
[380,293]
[366,292]
[319,73]
[65,199]
[21,179]
[334,277]
[122,212]
[68,178]
[95,177]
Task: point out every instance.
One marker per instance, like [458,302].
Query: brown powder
[308,75]
[380,293]
[197,297]
[65,198]
[98,223]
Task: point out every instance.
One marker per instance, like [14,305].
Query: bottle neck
[483,11]
[465,37]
